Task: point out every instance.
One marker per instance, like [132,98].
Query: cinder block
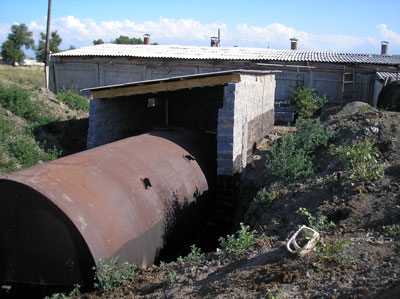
[225,163]
[223,113]
[224,130]
[230,87]
[224,171]
[229,106]
[224,147]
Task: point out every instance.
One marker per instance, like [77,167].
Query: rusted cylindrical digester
[58,219]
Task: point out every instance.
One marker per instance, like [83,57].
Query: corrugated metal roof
[229,53]
[391,76]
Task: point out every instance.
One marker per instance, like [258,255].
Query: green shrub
[291,159]
[311,134]
[306,101]
[360,160]
[110,273]
[73,99]
[320,223]
[195,257]
[238,242]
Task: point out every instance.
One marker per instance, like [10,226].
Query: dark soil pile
[358,258]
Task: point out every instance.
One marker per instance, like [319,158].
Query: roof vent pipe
[293,43]
[214,41]
[146,39]
[384,47]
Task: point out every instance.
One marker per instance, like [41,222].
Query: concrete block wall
[244,119]
[117,118]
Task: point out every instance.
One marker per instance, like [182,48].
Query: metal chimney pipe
[293,43]
[146,39]
[384,47]
[214,41]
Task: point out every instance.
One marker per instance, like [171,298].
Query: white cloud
[33,26]
[278,36]
[389,35]
[81,32]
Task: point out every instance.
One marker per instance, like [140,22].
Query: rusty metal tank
[58,219]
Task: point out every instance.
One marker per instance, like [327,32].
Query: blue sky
[342,26]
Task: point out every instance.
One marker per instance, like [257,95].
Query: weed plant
[172,277]
[75,292]
[73,99]
[319,223]
[360,160]
[110,273]
[266,197]
[306,102]
[291,159]
[337,251]
[391,230]
[195,257]
[238,242]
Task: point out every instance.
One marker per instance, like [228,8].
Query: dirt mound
[357,258]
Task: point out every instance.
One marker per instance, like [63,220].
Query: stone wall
[245,118]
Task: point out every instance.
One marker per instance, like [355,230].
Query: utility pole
[47,54]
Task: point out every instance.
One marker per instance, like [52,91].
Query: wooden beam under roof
[119,91]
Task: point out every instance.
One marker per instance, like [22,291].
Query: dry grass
[28,76]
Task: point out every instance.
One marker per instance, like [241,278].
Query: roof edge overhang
[172,83]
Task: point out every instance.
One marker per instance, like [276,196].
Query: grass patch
[29,76]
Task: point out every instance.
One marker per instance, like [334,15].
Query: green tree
[123,39]
[54,41]
[98,41]
[19,37]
